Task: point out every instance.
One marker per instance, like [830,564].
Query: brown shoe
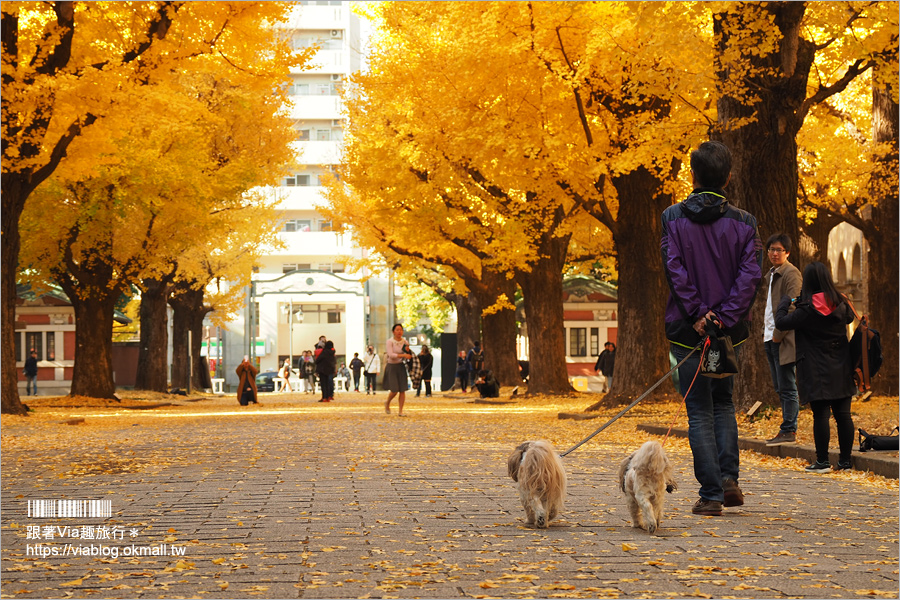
[706,507]
[733,494]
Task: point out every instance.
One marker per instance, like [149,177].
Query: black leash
[633,404]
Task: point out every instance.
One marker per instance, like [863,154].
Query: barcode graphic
[49,509]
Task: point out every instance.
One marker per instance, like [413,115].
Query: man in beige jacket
[783,279]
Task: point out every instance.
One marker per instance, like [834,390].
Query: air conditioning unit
[336,77]
[337,33]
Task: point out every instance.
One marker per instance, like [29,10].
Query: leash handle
[633,404]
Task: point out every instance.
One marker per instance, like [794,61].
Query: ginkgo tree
[64,66]
[538,126]
[775,62]
[164,173]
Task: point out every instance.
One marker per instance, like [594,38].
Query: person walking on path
[475,362]
[286,375]
[712,257]
[308,371]
[605,364]
[356,365]
[372,369]
[824,370]
[426,362]
[31,371]
[783,279]
[246,373]
[394,371]
[326,367]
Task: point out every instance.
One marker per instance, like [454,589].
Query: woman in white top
[286,375]
[395,371]
[372,369]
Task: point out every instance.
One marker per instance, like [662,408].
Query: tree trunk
[153,368]
[10,403]
[817,232]
[542,292]
[93,373]
[764,176]
[884,250]
[188,313]
[499,330]
[642,351]
[468,320]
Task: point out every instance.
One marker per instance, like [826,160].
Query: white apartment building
[303,291]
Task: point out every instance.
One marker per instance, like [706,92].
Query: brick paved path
[296,499]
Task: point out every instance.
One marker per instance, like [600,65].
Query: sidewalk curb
[886,464]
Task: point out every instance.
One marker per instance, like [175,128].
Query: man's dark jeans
[784,378]
[712,428]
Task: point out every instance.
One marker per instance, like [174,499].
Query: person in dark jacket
[356,365]
[462,372]
[426,362]
[606,362]
[31,371]
[246,373]
[326,367]
[824,370]
[487,384]
[712,257]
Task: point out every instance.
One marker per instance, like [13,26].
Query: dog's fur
[645,476]
[541,480]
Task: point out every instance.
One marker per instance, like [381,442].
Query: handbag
[717,359]
[868,441]
[865,353]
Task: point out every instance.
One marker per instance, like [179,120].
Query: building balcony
[318,153]
[314,243]
[327,61]
[301,198]
[319,17]
[316,107]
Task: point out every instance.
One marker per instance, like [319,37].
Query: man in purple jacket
[712,257]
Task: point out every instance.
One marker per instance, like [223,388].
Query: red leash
[684,398]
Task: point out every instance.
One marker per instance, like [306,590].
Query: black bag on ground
[878,442]
[717,358]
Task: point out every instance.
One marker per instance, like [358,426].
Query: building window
[325,226]
[595,341]
[323,89]
[303,135]
[290,226]
[323,135]
[334,316]
[34,341]
[578,341]
[51,345]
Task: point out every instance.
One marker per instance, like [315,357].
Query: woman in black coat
[824,371]
[426,360]
[326,366]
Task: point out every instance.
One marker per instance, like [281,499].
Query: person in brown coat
[246,373]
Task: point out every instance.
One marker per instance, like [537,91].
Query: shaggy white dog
[645,476]
[538,470]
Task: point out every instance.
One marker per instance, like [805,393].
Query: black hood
[705,205]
